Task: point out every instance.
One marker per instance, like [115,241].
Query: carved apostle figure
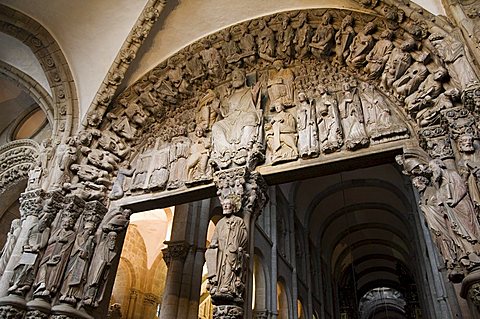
[7,249]
[77,267]
[306,127]
[456,61]
[197,162]
[453,194]
[323,40]
[235,135]
[281,135]
[97,276]
[280,85]
[230,238]
[439,224]
[351,114]
[469,165]
[361,46]
[55,258]
[343,39]
[328,121]
[398,62]
[303,36]
[378,57]
[410,81]
[37,239]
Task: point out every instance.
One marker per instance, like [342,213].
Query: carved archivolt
[31,33]
[17,158]
[285,87]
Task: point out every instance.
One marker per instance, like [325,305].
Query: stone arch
[261,283]
[63,110]
[159,107]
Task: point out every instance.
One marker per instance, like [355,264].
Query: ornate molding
[16,160]
[122,61]
[54,64]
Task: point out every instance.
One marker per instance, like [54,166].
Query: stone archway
[267,100]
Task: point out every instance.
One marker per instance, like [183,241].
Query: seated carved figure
[410,81]
[235,134]
[281,136]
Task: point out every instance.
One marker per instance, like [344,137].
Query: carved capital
[227,311]
[31,203]
[436,141]
[471,97]
[150,299]
[175,250]
[249,187]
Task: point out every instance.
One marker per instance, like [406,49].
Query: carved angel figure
[306,127]
[351,113]
[328,121]
[281,135]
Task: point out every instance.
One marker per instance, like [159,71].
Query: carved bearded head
[238,78]
[465,143]
[231,205]
[111,238]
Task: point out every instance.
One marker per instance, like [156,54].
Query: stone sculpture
[343,39]
[361,46]
[161,169]
[398,62]
[378,57]
[7,249]
[285,37]
[77,267]
[55,258]
[229,242]
[281,136]
[102,260]
[197,162]
[307,128]
[323,40]
[280,85]
[235,135]
[328,121]
[179,152]
[303,36]
[410,80]
[351,114]
[65,156]
[37,240]
[266,42]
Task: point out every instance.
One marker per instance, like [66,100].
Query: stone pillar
[242,194]
[174,256]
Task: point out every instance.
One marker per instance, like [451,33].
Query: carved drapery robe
[307,130]
[77,267]
[280,87]
[237,130]
[329,131]
[231,237]
[351,113]
[54,261]
[281,136]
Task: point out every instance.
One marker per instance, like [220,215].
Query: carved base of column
[66,311]
[38,308]
[227,312]
[12,306]
[471,287]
